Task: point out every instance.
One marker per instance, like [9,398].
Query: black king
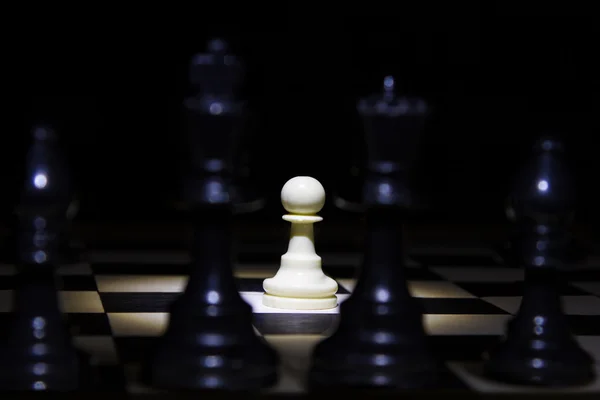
[380,342]
[210,343]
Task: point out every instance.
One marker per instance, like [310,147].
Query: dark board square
[584,325]
[137,302]
[582,275]
[92,324]
[458,306]
[5,320]
[449,381]
[421,274]
[131,268]
[77,283]
[341,271]
[499,289]
[458,260]
[63,283]
[259,258]
[109,378]
[110,244]
[134,349]
[342,290]
[295,324]
[353,272]
[462,347]
[7,282]
[249,284]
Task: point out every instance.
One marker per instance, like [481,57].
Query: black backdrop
[496,80]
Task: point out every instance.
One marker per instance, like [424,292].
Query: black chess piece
[539,348]
[380,342]
[576,251]
[38,354]
[71,251]
[210,343]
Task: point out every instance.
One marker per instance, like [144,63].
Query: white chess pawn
[300,283]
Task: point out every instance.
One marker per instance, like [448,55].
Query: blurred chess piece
[576,252]
[219,148]
[538,348]
[380,342]
[39,353]
[45,152]
[210,343]
[389,155]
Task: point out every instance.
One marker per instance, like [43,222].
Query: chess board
[117,306]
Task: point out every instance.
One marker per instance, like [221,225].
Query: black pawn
[380,342]
[38,354]
[210,343]
[539,348]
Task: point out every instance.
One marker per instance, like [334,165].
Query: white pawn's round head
[303,195]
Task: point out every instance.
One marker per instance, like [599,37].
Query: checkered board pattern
[117,306]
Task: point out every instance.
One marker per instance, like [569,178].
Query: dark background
[496,79]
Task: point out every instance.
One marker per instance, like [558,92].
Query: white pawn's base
[296,303]
[300,283]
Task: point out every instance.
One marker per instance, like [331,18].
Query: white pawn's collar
[302,219]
